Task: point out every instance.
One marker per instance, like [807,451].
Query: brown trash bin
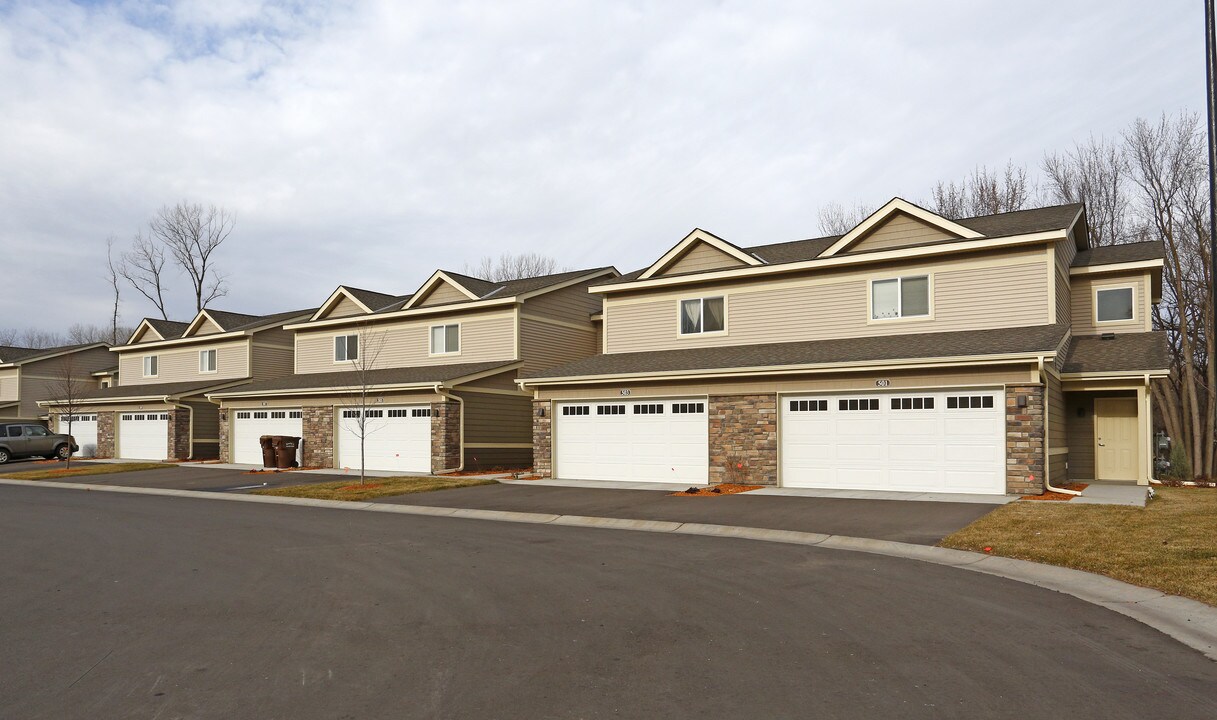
[285,451]
[268,451]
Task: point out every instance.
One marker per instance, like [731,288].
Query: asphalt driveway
[144,606]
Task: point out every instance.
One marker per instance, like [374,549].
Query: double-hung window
[150,366]
[445,339]
[703,315]
[207,361]
[900,297]
[1113,304]
[346,347]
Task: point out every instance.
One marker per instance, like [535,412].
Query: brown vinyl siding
[407,343]
[700,258]
[181,363]
[206,425]
[43,379]
[345,307]
[442,294]
[272,361]
[1064,305]
[497,419]
[544,345]
[969,293]
[900,231]
[502,381]
[572,304]
[1082,293]
[339,400]
[1055,404]
[1079,434]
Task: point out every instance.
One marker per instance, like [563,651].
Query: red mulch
[716,490]
[1056,495]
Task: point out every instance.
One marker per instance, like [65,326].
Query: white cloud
[368,144]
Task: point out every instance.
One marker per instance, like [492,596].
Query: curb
[1190,622]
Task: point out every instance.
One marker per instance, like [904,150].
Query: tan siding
[406,343]
[1082,292]
[834,305]
[442,294]
[700,258]
[147,334]
[899,231]
[43,379]
[10,381]
[345,307]
[545,345]
[207,327]
[837,382]
[181,364]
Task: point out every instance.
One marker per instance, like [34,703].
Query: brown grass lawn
[1170,545]
[59,472]
[350,489]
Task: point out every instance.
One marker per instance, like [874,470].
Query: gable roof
[369,301]
[694,238]
[1114,254]
[343,380]
[838,352]
[479,289]
[166,329]
[897,206]
[11,354]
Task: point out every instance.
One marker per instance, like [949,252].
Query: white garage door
[143,436]
[249,425]
[921,441]
[84,429]
[395,438]
[632,441]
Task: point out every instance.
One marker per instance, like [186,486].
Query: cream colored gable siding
[1082,290]
[443,294]
[147,334]
[10,381]
[899,231]
[345,307]
[207,327]
[181,364]
[700,258]
[993,290]
[407,343]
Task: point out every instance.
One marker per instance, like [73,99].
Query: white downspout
[1048,486]
[439,390]
[190,431]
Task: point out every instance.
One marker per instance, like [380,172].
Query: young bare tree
[513,267]
[984,192]
[143,267]
[112,277]
[192,233]
[68,386]
[357,403]
[837,219]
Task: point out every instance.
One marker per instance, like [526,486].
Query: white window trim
[144,366]
[334,347]
[1094,302]
[870,298]
[703,333]
[460,340]
[203,354]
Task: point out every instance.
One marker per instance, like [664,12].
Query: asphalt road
[154,607]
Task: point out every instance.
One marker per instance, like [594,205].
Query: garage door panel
[976,454]
[143,436]
[858,451]
[250,425]
[978,427]
[639,440]
[395,438]
[912,427]
[902,452]
[859,427]
[913,479]
[966,480]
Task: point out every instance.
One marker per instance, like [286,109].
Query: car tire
[3,456]
[63,452]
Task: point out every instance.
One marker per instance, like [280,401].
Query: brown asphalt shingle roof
[177,390]
[168,329]
[1127,252]
[388,376]
[485,289]
[1132,352]
[1033,339]
[12,354]
[374,300]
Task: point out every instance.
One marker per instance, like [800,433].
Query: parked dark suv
[19,440]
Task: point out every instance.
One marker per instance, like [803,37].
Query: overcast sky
[369,143]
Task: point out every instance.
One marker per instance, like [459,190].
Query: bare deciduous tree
[837,219]
[1095,173]
[192,234]
[83,333]
[112,277]
[143,267]
[357,408]
[31,338]
[513,267]
[984,192]
[69,385]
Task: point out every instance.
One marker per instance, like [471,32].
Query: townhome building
[30,375]
[417,383]
[913,353]
[154,405]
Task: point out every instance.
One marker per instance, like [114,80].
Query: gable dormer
[897,224]
[443,288]
[145,332]
[700,251]
[344,302]
[203,324]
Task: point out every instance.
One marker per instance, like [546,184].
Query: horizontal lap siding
[442,294]
[985,295]
[484,338]
[345,307]
[1055,403]
[207,327]
[902,230]
[1082,302]
[182,365]
[1064,310]
[1079,435]
[701,258]
[272,361]
[9,383]
[497,419]
[545,345]
[206,419]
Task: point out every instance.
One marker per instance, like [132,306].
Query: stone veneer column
[179,434]
[445,435]
[542,438]
[105,434]
[744,439]
[225,453]
[317,424]
[1025,440]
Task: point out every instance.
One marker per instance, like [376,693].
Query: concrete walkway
[1113,494]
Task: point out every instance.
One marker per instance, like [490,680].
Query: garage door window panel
[700,316]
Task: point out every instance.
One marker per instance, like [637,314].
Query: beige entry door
[1115,438]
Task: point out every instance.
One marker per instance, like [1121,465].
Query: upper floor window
[445,339]
[900,297]
[207,361]
[1113,304]
[346,347]
[703,315]
[150,366]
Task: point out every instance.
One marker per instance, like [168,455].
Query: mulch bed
[263,471]
[1056,495]
[716,490]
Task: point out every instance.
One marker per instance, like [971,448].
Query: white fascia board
[197,339]
[1116,267]
[399,314]
[437,277]
[894,206]
[699,235]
